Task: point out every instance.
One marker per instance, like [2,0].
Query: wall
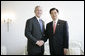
[15,41]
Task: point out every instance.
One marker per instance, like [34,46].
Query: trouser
[36,53]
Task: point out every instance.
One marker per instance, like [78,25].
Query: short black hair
[54,9]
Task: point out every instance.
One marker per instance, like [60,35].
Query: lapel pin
[58,24]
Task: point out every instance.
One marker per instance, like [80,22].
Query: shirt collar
[56,20]
[37,18]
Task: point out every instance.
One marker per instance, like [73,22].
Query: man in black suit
[57,32]
[34,32]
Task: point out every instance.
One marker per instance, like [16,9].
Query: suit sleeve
[44,38]
[66,35]
[28,30]
[46,33]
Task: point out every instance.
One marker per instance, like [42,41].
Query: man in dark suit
[57,32]
[34,32]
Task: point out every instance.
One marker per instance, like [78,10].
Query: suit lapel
[57,26]
[37,23]
[51,27]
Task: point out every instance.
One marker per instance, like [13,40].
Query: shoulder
[62,21]
[30,19]
[49,23]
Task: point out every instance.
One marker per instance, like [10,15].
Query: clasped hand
[40,42]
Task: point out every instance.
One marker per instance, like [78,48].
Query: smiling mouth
[54,16]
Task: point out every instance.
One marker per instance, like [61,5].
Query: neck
[55,19]
[38,16]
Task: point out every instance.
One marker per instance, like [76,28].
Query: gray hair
[36,8]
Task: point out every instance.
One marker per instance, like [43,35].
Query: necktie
[41,25]
[54,27]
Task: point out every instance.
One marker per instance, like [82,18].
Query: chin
[38,16]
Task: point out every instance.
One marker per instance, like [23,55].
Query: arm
[66,38]
[46,33]
[28,30]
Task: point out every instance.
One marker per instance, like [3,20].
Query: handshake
[40,42]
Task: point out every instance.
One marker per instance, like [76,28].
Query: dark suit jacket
[59,40]
[33,33]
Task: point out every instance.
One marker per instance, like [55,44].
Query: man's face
[38,11]
[54,14]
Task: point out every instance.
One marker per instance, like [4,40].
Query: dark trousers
[36,53]
[56,53]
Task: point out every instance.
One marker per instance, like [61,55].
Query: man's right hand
[40,42]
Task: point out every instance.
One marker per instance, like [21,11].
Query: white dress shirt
[37,18]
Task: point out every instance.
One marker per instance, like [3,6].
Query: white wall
[15,41]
